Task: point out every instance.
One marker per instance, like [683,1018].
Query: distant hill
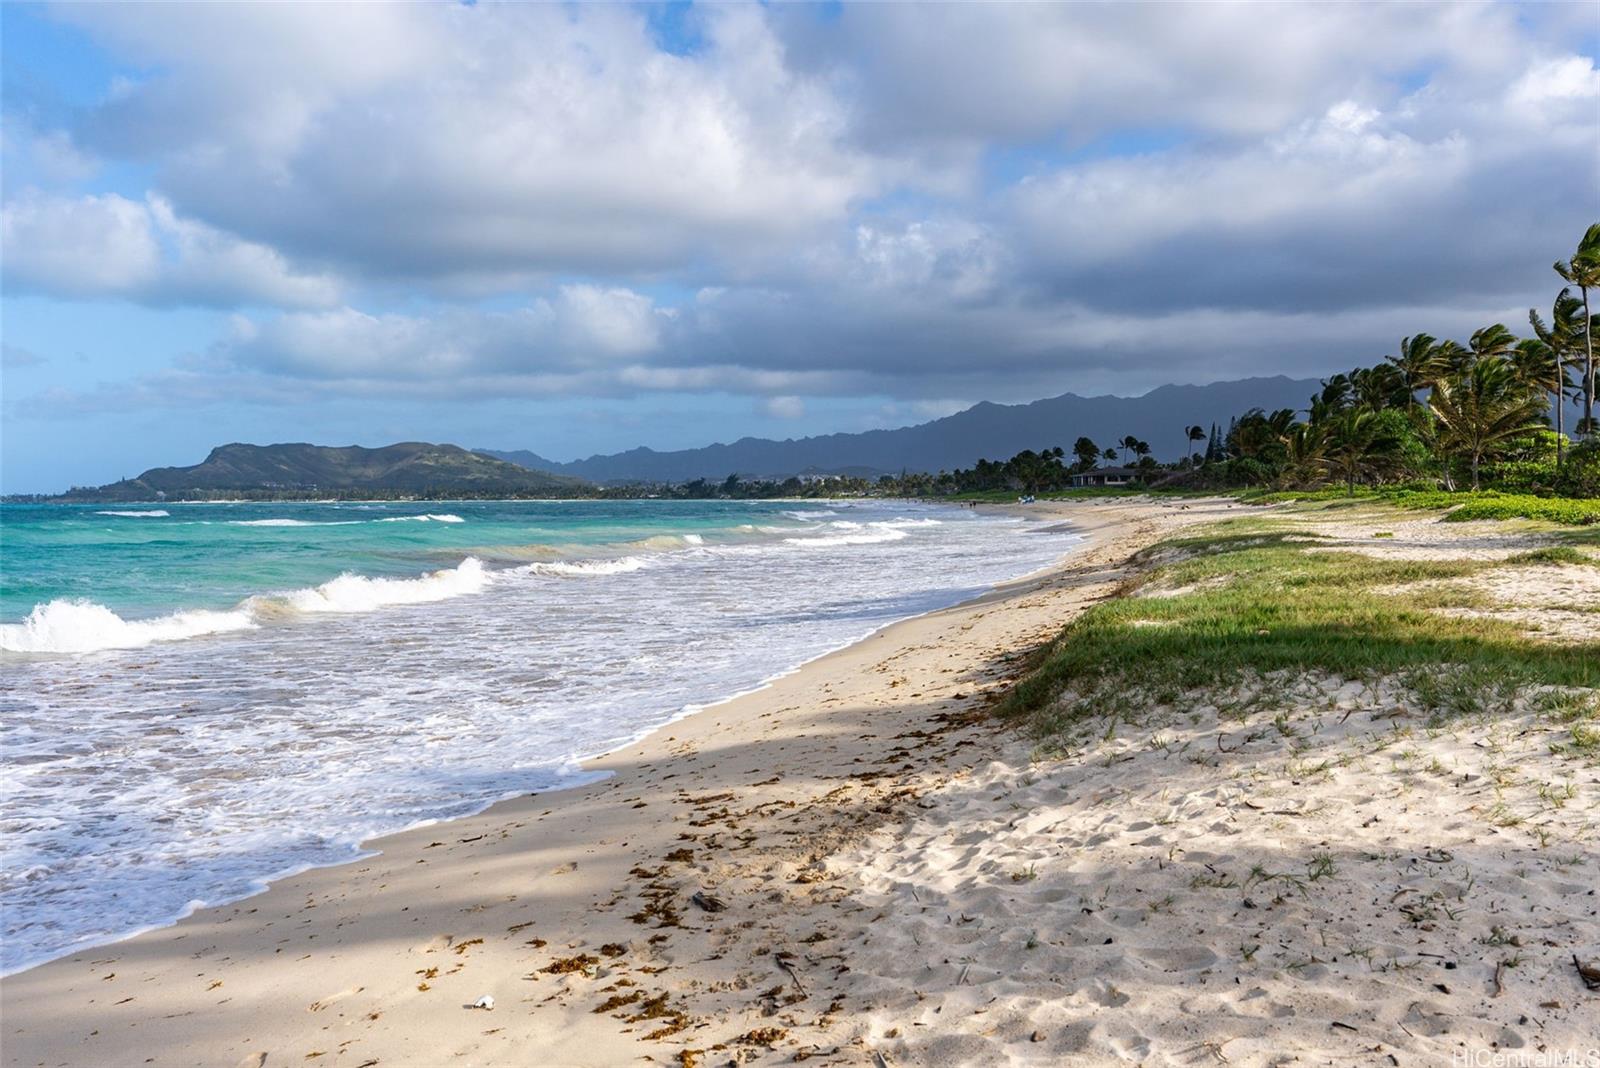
[992,431]
[409,468]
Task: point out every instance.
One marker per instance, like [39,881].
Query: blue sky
[584,228]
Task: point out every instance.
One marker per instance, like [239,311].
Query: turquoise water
[199,700]
[147,560]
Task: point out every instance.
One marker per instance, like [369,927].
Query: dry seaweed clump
[656,1008]
[762,1036]
[566,965]
[617,1001]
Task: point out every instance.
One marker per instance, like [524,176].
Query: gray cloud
[812,206]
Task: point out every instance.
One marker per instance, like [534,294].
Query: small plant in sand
[1025,875]
[1321,866]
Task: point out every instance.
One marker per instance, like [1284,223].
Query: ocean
[198,698]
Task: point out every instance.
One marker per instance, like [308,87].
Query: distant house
[1107,476]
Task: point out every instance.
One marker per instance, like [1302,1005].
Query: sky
[581,228]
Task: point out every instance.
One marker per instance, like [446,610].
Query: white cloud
[557,340]
[109,246]
[926,76]
[489,144]
[785,407]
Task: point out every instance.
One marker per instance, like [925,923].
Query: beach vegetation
[1261,600]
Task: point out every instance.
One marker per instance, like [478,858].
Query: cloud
[550,344]
[478,144]
[786,407]
[14,356]
[106,245]
[936,78]
[927,203]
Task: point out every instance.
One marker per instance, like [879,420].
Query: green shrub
[1565,510]
[1580,475]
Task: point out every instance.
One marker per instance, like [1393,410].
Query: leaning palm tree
[1194,434]
[1305,456]
[1583,271]
[1377,387]
[1491,342]
[1356,441]
[1449,359]
[1560,337]
[1481,409]
[1534,365]
[1417,363]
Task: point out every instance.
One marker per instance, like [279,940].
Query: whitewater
[199,699]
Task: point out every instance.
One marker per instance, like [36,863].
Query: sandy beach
[857,865]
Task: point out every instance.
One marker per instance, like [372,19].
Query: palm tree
[1559,336]
[1449,359]
[1305,450]
[1417,363]
[1583,271]
[1356,439]
[1110,455]
[1377,387]
[1194,434]
[1128,444]
[1491,342]
[1482,408]
[1333,399]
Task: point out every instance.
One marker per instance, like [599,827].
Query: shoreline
[26,987]
[575,778]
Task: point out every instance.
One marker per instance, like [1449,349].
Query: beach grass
[1461,506]
[1265,596]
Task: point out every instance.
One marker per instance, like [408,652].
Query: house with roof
[1107,476]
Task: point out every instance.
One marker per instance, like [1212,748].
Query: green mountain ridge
[409,468]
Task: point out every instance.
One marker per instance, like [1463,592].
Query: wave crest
[153,513]
[81,626]
[445,517]
[358,593]
[78,626]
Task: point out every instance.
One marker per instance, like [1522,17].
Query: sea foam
[578,568]
[358,593]
[154,513]
[78,626]
[82,626]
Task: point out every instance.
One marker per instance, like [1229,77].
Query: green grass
[1462,506]
[1553,554]
[1247,598]
[1085,493]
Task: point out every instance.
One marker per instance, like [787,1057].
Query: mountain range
[985,430]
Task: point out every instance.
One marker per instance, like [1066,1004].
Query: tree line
[1437,411]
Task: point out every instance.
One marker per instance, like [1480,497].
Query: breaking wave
[77,626]
[445,518]
[154,513]
[82,626]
